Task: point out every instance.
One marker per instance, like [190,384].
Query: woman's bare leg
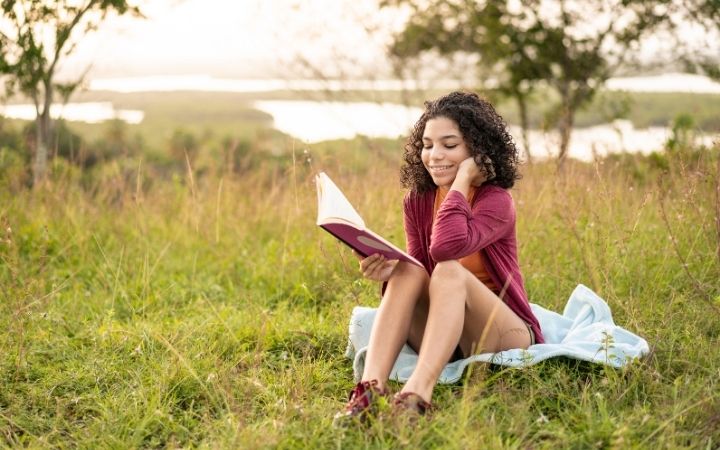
[462,311]
[406,289]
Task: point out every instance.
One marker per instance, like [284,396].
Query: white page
[332,202]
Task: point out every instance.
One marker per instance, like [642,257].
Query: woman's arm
[459,231]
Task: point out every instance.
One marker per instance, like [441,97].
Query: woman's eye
[451,146]
[426,147]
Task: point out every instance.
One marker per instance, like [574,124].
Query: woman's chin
[445,181]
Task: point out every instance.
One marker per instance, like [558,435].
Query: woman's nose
[436,153]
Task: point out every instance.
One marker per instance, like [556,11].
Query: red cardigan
[489,227]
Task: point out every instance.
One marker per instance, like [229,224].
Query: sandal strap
[366,386]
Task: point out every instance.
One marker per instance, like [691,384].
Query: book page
[333,204]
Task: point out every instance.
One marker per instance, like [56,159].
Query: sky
[242,38]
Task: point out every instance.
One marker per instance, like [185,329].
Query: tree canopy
[35,36]
[706,13]
[571,47]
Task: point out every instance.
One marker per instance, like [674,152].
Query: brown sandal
[410,401]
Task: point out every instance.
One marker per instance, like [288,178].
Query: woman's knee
[408,269]
[450,270]
[448,277]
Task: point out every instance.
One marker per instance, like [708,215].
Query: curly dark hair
[484,132]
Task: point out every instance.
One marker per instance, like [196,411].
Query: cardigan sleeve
[459,230]
[412,230]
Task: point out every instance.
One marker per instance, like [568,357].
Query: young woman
[460,223]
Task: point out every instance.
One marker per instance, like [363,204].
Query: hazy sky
[225,37]
[244,38]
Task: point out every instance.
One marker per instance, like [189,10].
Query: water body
[312,121]
[319,121]
[671,82]
[90,112]
[206,83]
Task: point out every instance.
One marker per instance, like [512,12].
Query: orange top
[474,261]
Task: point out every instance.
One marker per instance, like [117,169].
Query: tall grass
[212,312]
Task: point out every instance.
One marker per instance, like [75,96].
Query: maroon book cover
[337,216]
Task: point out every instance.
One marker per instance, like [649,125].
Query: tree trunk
[522,106]
[42,135]
[42,126]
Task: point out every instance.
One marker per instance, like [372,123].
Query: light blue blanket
[584,331]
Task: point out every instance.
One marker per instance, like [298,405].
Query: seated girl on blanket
[460,223]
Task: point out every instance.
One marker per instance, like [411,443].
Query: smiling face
[443,150]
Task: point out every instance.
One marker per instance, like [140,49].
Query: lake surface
[314,121]
[90,112]
[318,121]
[670,82]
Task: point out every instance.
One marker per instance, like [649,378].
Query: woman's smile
[440,169]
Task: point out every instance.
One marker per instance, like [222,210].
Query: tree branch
[60,42]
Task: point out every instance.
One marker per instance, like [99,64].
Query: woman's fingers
[377,267]
[475,170]
[366,262]
[371,264]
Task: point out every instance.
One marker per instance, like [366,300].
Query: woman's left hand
[471,172]
[376,267]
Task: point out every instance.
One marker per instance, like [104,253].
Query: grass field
[209,311]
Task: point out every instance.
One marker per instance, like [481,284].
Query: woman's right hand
[376,267]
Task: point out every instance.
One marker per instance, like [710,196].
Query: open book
[337,216]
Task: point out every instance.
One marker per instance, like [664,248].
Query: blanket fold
[584,331]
